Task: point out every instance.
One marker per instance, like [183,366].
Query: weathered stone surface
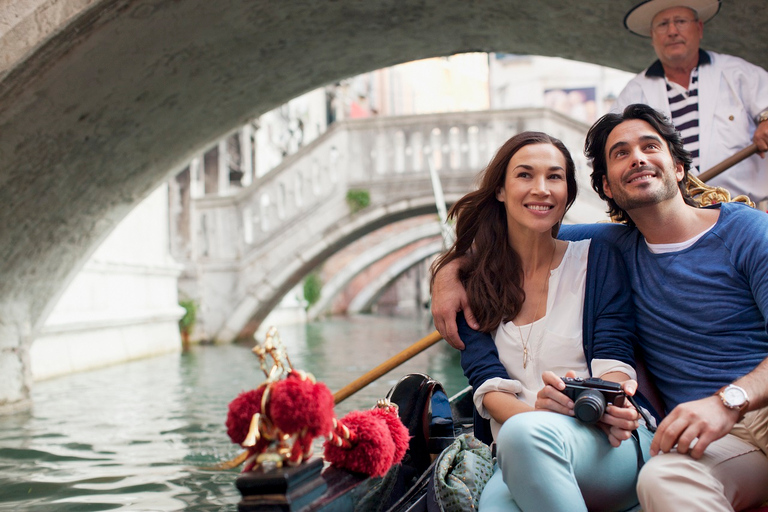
[14,383]
[15,375]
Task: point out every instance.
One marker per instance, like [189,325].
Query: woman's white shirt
[554,341]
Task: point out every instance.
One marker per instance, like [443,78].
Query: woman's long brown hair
[492,271]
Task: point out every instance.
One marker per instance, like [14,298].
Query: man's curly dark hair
[597,138]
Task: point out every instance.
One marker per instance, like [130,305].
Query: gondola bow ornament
[278,421]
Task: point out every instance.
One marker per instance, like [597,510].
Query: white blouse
[554,341]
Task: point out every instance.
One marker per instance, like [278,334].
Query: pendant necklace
[536,312]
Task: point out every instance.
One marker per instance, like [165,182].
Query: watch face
[734,397]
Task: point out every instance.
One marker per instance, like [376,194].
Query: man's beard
[628,202]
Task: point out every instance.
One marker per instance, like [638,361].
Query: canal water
[139,436]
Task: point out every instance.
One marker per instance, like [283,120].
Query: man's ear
[607,188]
[679,172]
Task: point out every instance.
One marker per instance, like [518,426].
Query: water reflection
[136,436]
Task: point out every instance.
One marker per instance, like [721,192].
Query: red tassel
[241,410]
[297,403]
[370,448]
[399,432]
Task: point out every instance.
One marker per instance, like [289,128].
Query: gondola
[433,421]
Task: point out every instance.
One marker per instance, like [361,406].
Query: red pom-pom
[241,411]
[372,448]
[400,435]
[296,403]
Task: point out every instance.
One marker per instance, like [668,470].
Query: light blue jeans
[550,462]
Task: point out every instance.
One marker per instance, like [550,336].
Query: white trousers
[731,475]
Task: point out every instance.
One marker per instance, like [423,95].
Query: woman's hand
[551,397]
[619,422]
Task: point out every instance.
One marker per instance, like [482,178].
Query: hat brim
[638,19]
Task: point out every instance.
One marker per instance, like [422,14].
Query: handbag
[461,472]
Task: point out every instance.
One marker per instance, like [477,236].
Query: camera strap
[649,423]
[636,434]
[640,458]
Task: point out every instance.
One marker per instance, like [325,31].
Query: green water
[137,436]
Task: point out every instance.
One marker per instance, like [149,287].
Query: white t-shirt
[555,341]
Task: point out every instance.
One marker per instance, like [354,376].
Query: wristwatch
[734,397]
[762,116]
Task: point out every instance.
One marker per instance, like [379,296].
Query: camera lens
[589,406]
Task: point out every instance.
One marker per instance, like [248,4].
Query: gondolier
[718,102]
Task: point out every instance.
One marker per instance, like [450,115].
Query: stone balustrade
[251,246]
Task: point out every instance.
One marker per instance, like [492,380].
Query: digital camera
[591,396]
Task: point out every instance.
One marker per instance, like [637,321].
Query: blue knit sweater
[701,312]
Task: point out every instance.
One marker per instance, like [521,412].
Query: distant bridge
[251,248]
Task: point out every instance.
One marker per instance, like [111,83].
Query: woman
[537,296]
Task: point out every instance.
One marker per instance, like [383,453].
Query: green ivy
[312,287]
[357,199]
[187,322]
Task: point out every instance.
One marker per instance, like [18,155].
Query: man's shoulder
[742,228]
[742,232]
[724,60]
[644,75]
[723,57]
[742,213]
[742,210]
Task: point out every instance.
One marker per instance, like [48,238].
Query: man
[699,278]
[718,102]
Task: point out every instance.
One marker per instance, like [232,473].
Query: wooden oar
[391,363]
[728,162]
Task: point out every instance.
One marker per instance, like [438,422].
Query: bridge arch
[339,281]
[274,276]
[100,100]
[368,296]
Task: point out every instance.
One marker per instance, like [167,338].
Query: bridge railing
[380,155]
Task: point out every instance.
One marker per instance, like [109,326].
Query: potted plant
[187,322]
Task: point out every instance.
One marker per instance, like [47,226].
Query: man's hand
[619,422]
[761,138]
[703,420]
[551,397]
[448,298]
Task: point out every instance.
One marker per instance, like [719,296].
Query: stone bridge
[253,247]
[101,100]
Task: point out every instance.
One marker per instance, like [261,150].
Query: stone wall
[122,305]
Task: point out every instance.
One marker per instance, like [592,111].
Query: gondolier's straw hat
[638,19]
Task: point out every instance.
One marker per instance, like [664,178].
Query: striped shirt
[684,107]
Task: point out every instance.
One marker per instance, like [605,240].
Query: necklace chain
[536,311]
